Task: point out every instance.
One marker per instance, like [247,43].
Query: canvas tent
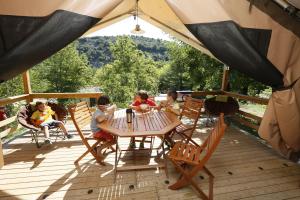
[257,37]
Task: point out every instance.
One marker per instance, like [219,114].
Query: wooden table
[153,123]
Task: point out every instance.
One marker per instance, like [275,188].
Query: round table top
[154,123]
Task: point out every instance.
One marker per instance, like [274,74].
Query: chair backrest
[60,111]
[192,110]
[24,115]
[81,116]
[212,141]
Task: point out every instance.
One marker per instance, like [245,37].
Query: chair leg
[182,181]
[90,150]
[187,179]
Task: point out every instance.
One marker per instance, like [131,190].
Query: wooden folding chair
[81,117]
[191,110]
[190,158]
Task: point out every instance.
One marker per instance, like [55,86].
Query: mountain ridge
[98,53]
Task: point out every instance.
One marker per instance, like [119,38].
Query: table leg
[116,159]
[165,158]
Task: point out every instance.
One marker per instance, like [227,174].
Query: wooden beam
[249,115]
[225,78]
[7,121]
[13,99]
[10,130]
[66,95]
[27,85]
[248,98]
[245,122]
[205,93]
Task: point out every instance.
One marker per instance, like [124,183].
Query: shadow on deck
[244,169]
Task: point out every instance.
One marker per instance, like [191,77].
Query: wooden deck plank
[257,172]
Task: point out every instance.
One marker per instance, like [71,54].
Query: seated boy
[140,99]
[171,103]
[102,112]
[42,118]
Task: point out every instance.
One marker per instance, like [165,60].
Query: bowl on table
[144,107]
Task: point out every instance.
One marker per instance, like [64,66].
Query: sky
[124,27]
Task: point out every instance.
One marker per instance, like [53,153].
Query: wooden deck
[244,169]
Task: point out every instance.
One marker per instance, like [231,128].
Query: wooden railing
[244,118]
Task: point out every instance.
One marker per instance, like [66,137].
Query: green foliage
[65,71]
[130,71]
[243,84]
[189,69]
[11,87]
[98,51]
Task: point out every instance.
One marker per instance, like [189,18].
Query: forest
[119,66]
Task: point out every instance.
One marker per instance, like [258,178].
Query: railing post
[27,85]
[1,155]
[225,78]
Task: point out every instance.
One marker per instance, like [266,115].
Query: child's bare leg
[142,142]
[63,128]
[132,142]
[46,131]
[107,144]
[143,139]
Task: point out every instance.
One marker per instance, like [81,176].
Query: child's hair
[103,100]
[143,94]
[38,103]
[173,94]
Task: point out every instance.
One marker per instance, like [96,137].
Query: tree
[130,71]
[188,68]
[11,87]
[175,74]
[65,71]
[243,84]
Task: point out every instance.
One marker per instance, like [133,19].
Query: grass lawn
[256,109]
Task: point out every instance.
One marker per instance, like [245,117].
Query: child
[103,110]
[3,115]
[171,103]
[42,118]
[140,99]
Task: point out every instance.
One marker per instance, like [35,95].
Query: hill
[98,53]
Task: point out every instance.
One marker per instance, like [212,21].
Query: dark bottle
[129,115]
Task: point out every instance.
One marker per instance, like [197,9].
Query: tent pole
[27,85]
[225,79]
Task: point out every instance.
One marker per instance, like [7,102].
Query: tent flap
[26,40]
[242,49]
[42,37]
